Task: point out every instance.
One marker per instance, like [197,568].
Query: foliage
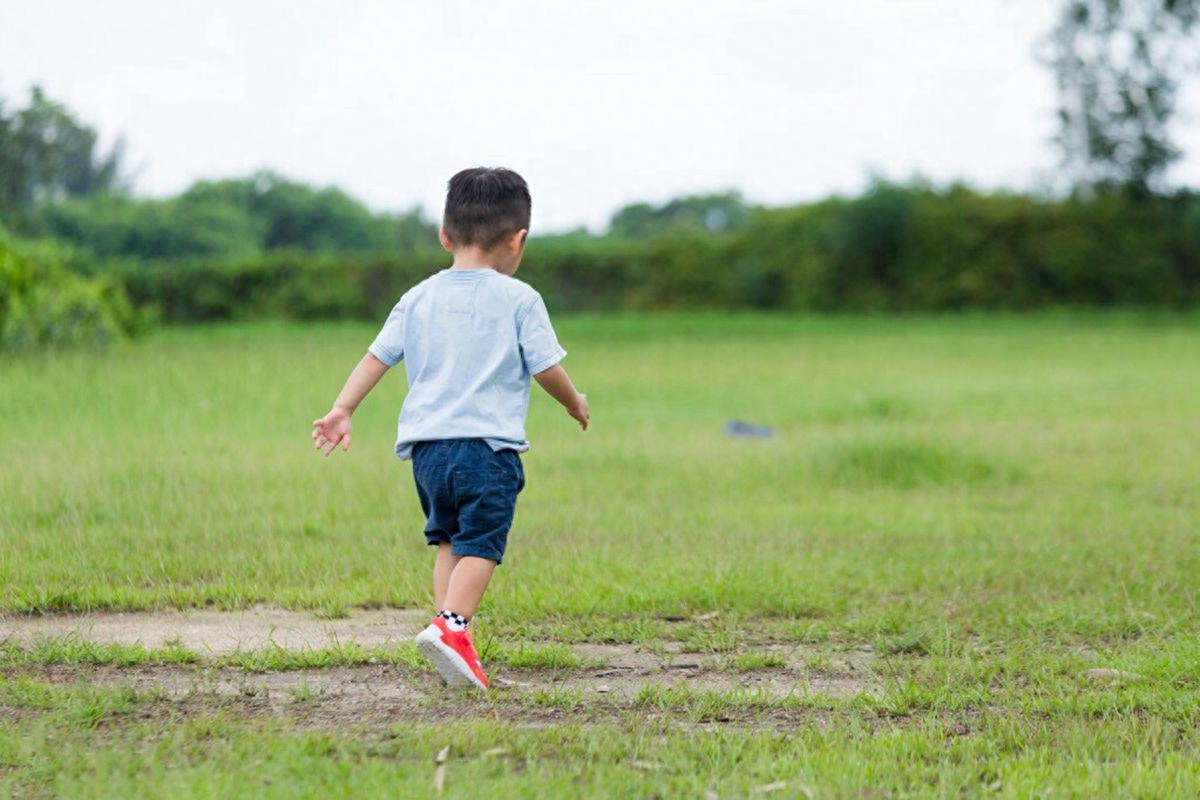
[284,283]
[111,226]
[896,247]
[1118,64]
[715,213]
[46,154]
[293,215]
[231,218]
[44,304]
[266,245]
[916,248]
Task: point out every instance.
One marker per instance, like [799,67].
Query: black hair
[484,206]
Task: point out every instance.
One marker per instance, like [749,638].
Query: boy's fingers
[346,443]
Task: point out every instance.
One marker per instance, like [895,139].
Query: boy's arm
[334,428]
[557,384]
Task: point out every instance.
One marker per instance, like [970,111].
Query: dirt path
[372,697]
[382,693]
[217,632]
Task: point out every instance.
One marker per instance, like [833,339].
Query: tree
[295,215]
[10,165]
[46,154]
[1118,65]
[713,212]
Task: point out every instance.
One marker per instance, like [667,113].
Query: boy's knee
[486,552]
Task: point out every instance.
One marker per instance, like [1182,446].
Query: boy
[470,336]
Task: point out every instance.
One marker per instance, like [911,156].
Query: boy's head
[487,209]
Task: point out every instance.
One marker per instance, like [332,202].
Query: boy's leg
[468,581]
[484,499]
[442,567]
[445,641]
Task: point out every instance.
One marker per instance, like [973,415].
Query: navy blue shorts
[468,493]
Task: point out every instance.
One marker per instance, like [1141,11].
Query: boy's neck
[473,258]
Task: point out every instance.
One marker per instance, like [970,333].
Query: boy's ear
[517,242]
[444,239]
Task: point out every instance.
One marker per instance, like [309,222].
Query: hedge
[44,304]
[895,248]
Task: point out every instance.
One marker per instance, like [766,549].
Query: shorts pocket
[510,462]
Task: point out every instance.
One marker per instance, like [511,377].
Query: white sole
[450,665]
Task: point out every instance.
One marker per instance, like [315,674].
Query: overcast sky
[596,103]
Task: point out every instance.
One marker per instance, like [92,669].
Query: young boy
[470,336]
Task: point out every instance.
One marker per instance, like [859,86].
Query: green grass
[83,741]
[992,504]
[924,469]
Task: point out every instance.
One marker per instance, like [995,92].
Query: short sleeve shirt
[470,339]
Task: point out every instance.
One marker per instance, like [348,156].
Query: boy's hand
[334,428]
[331,430]
[558,385]
[579,411]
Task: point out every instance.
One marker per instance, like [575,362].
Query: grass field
[986,509]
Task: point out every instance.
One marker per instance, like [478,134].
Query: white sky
[596,103]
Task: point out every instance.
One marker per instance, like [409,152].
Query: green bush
[227,219]
[894,248]
[966,249]
[282,284]
[42,304]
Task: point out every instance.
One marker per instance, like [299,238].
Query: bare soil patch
[217,632]
[381,694]
[373,697]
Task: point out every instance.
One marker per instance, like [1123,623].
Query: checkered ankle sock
[455,622]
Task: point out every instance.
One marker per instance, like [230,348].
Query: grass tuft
[909,464]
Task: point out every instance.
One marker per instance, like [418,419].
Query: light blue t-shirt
[470,339]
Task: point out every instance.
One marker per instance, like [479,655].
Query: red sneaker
[452,653]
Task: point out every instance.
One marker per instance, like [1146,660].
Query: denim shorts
[468,493]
